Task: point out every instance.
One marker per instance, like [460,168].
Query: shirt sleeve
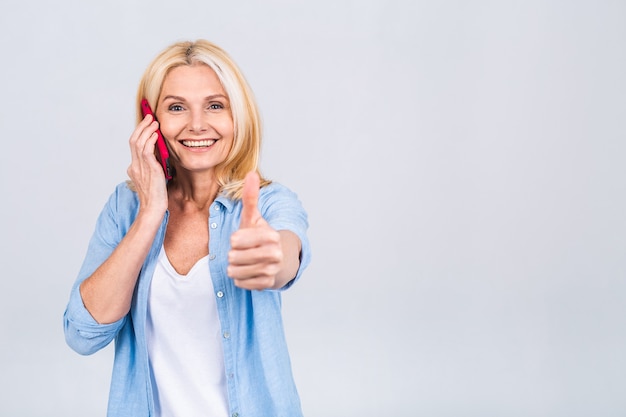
[82,332]
[282,209]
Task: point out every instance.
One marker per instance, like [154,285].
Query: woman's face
[194,116]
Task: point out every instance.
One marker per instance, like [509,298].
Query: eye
[175,107]
[216,106]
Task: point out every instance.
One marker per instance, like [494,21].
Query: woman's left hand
[256,260]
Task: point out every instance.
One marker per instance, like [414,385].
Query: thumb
[250,199]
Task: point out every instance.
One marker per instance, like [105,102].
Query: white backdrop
[462,163]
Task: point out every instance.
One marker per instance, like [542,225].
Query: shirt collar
[225,202]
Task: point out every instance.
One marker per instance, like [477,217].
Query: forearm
[107,293]
[291,247]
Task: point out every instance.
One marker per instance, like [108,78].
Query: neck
[193,190]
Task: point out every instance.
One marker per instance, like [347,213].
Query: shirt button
[211,257]
[217,207]
[213,225]
[226,335]
[235,414]
[220,294]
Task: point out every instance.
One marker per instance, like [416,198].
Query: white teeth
[198,143]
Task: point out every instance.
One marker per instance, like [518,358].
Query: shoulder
[275,200]
[281,206]
[276,195]
[116,216]
[125,196]
[122,202]
[275,189]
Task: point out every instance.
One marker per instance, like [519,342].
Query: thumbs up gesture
[256,255]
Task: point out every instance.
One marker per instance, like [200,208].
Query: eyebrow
[211,97]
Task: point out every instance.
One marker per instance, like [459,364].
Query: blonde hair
[245,152]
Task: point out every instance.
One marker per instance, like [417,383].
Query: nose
[198,122]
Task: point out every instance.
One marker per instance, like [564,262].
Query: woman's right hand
[145,171]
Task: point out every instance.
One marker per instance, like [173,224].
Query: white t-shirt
[184,343]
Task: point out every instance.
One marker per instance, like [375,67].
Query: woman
[184,273]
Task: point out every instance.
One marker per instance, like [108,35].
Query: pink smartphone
[163,154]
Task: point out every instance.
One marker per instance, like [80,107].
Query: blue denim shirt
[258,370]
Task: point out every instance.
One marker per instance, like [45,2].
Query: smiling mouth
[198,143]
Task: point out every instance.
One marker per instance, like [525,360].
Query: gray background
[462,163]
